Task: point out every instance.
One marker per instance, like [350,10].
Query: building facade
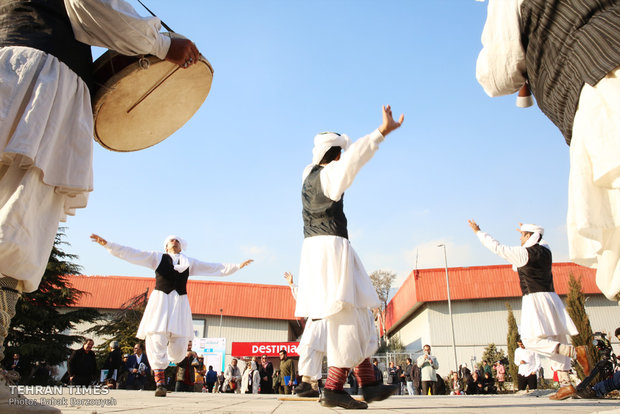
[418,314]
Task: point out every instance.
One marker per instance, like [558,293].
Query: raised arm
[515,255]
[337,176]
[198,268]
[289,278]
[148,259]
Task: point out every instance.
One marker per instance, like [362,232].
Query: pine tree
[511,341]
[38,330]
[491,354]
[122,327]
[576,307]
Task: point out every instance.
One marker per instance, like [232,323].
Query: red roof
[478,282]
[205,297]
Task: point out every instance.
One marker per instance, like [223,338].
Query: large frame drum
[141,100]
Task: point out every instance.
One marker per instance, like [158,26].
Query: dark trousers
[523,382]
[210,386]
[426,385]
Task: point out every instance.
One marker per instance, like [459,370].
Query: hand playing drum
[142,100]
[182,52]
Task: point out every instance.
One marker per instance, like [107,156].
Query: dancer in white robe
[569,52]
[333,284]
[167,321]
[545,323]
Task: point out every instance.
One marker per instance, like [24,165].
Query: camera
[606,362]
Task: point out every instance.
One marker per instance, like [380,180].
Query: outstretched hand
[389,124]
[98,239]
[244,264]
[289,278]
[474,226]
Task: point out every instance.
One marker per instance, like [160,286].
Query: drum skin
[140,101]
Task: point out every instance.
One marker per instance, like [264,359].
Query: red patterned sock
[365,373]
[336,377]
[160,378]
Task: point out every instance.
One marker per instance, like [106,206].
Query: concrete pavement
[122,401]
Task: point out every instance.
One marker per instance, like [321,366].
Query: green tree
[576,307]
[511,341]
[39,329]
[491,354]
[122,326]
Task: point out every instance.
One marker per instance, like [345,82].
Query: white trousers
[351,337]
[312,348]
[162,349]
[547,346]
[29,214]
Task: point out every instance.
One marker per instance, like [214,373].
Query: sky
[229,181]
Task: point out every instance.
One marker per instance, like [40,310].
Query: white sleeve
[500,68]
[515,255]
[148,259]
[337,176]
[114,24]
[294,291]
[198,268]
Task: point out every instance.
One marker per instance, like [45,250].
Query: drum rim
[97,102]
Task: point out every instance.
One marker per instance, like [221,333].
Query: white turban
[324,141]
[537,233]
[182,242]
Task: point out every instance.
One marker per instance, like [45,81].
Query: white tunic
[531,361]
[170,313]
[46,133]
[593,219]
[542,313]
[54,132]
[331,275]
[333,284]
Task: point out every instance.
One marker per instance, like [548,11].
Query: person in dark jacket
[210,379]
[185,372]
[266,375]
[377,371]
[82,365]
[139,369]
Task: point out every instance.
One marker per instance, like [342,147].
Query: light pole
[445,257]
[221,312]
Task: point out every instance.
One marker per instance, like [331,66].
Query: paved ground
[122,401]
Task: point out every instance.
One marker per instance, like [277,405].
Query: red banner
[272,349]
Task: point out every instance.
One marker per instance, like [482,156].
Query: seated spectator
[488,384]
[456,384]
[472,384]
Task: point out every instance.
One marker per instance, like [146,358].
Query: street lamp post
[445,257]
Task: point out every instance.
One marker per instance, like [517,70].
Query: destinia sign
[240,349]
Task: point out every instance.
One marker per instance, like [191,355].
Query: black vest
[167,279]
[322,216]
[568,43]
[44,25]
[536,275]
